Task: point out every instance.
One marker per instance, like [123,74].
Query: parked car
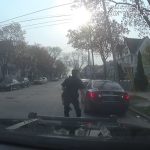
[55,79]
[10,84]
[24,82]
[106,97]
[44,80]
[41,80]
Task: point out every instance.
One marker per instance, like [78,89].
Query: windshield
[107,86]
[56,56]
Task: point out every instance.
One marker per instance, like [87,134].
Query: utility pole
[88,57]
[93,70]
[89,64]
[111,41]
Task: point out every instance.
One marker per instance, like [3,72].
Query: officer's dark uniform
[70,95]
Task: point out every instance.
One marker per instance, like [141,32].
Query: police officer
[70,93]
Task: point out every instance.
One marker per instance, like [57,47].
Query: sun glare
[80,17]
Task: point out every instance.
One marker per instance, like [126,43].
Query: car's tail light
[126,97]
[93,95]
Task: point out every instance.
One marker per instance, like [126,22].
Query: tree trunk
[105,70]
[104,66]
[93,70]
[111,41]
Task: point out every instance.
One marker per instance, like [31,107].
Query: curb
[141,97]
[141,114]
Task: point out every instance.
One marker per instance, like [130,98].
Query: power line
[36,12]
[49,25]
[46,22]
[41,18]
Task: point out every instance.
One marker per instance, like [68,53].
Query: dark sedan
[106,97]
[10,84]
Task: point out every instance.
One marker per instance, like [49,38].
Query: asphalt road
[46,100]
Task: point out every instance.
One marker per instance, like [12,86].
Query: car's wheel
[11,88]
[17,87]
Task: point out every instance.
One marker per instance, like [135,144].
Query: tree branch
[148,1]
[121,3]
[137,6]
[129,4]
[142,13]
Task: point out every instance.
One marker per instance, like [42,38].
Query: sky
[47,36]
[47,33]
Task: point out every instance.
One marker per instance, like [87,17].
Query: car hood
[50,130]
[78,127]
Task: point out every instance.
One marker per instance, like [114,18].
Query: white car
[43,79]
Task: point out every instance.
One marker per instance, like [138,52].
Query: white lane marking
[18,125]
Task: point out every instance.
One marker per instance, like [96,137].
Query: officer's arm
[82,92]
[81,88]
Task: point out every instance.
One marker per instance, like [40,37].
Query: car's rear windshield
[107,86]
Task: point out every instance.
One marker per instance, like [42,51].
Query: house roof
[133,44]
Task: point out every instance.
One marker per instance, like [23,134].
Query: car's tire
[11,88]
[18,87]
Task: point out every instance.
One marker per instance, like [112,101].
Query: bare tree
[76,59]
[12,32]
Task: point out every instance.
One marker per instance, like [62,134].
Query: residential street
[45,100]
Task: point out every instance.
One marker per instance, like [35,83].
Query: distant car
[106,97]
[44,80]
[55,79]
[41,80]
[10,84]
[24,82]
[37,81]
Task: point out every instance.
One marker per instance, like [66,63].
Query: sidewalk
[140,102]
[144,95]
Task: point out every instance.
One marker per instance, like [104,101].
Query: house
[127,54]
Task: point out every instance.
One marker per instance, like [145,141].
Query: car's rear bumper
[109,107]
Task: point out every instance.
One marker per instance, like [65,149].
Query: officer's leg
[77,107]
[66,108]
